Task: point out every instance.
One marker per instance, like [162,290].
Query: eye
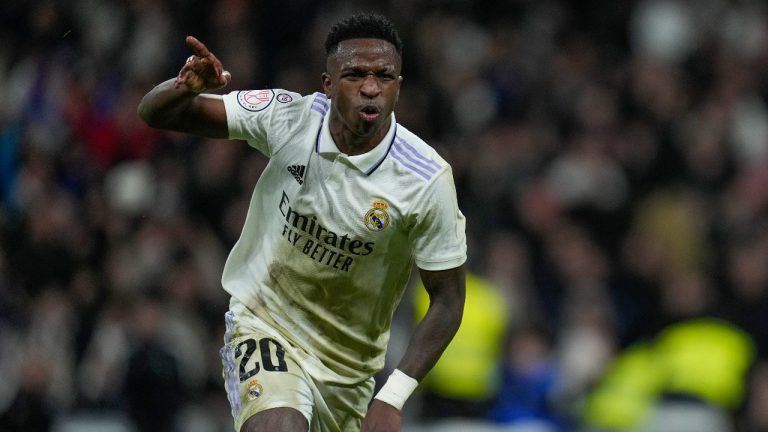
[353,75]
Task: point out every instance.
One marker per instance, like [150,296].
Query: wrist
[397,389]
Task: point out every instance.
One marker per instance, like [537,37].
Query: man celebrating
[348,202]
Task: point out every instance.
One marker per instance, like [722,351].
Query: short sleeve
[249,116]
[439,235]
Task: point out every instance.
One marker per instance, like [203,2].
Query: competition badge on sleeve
[255,100]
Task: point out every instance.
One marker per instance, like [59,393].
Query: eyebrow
[365,68]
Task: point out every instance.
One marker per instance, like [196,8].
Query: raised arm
[446,291]
[179,104]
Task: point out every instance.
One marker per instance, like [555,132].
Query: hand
[202,71]
[382,417]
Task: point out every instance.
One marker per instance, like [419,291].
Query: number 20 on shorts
[268,362]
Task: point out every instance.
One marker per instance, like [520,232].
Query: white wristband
[397,389]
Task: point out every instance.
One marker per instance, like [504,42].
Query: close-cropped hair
[363,26]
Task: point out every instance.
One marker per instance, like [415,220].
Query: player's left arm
[432,335]
[446,291]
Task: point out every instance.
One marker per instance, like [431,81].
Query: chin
[369,128]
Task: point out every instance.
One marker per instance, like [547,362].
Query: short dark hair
[363,25]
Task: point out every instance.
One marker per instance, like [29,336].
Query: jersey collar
[366,162]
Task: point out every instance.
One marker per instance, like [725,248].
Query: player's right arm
[179,104]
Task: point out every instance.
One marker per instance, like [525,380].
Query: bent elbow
[147,115]
[152,119]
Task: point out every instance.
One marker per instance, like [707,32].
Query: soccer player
[349,201]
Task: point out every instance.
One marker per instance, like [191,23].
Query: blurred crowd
[611,158]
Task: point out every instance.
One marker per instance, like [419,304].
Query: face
[363,83]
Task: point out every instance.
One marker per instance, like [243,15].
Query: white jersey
[329,240]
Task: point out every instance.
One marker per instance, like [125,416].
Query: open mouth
[369,113]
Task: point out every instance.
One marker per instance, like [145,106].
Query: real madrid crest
[377,218]
[254,390]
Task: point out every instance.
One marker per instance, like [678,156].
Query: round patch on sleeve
[284,98]
[255,100]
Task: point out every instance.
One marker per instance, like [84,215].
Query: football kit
[324,256]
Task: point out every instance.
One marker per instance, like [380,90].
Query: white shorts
[262,370]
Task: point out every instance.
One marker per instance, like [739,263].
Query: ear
[327,83]
[399,86]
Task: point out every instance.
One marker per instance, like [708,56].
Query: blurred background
[611,158]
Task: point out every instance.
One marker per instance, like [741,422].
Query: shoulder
[413,156]
[284,101]
[270,118]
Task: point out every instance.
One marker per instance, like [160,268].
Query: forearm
[166,106]
[431,336]
[171,107]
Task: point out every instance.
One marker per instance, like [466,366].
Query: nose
[370,86]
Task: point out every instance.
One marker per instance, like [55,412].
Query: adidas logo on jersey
[298,172]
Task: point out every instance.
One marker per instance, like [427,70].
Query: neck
[353,143]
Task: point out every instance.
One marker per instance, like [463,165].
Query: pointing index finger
[198,47]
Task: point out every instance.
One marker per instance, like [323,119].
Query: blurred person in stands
[757,401]
[30,409]
[691,375]
[153,385]
[349,201]
[529,380]
[746,276]
[577,289]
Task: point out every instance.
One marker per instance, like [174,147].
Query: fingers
[223,79]
[217,67]
[204,54]
[183,77]
[202,70]
[188,78]
[198,47]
